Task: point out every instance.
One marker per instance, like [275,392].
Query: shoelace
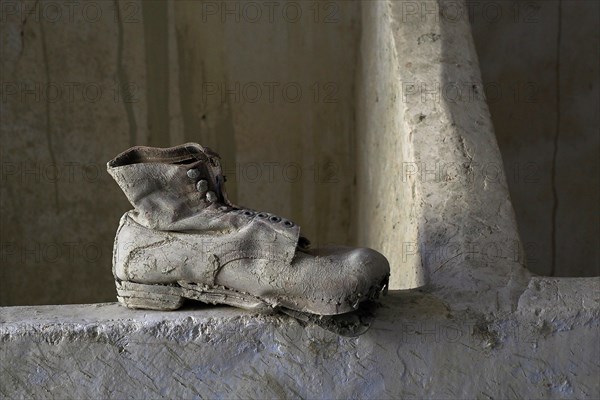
[202,187]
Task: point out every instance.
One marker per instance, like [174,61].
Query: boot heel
[151,297]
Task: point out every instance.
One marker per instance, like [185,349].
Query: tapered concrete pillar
[433,195]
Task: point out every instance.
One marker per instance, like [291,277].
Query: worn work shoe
[185,239]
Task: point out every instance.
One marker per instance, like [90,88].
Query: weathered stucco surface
[445,217]
[419,347]
[388,221]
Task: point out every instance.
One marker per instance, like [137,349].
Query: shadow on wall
[540,66]
[422,114]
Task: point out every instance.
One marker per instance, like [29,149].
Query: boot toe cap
[371,269]
[346,277]
[370,264]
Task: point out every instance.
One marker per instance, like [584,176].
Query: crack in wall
[47,105]
[555,144]
[122,78]
[157,72]
[22,33]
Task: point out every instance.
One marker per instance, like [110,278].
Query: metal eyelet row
[275,219]
[251,213]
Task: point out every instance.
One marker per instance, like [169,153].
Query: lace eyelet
[274,219]
[202,186]
[223,208]
[248,213]
[289,224]
[193,173]
[262,215]
[211,197]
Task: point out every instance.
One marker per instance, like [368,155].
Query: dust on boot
[185,239]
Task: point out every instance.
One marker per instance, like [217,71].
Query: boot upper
[164,184]
[181,189]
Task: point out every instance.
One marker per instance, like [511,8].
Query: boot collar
[170,155]
[169,184]
[182,189]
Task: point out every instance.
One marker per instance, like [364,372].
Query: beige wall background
[272,89]
[539,61]
[268,86]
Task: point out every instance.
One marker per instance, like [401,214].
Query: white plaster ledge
[418,347]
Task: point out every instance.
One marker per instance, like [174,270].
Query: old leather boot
[185,239]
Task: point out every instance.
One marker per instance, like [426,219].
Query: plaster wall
[458,219]
[418,347]
[481,328]
[269,86]
[79,87]
[388,213]
[539,61]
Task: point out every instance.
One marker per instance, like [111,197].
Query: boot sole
[171,297]
[166,297]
